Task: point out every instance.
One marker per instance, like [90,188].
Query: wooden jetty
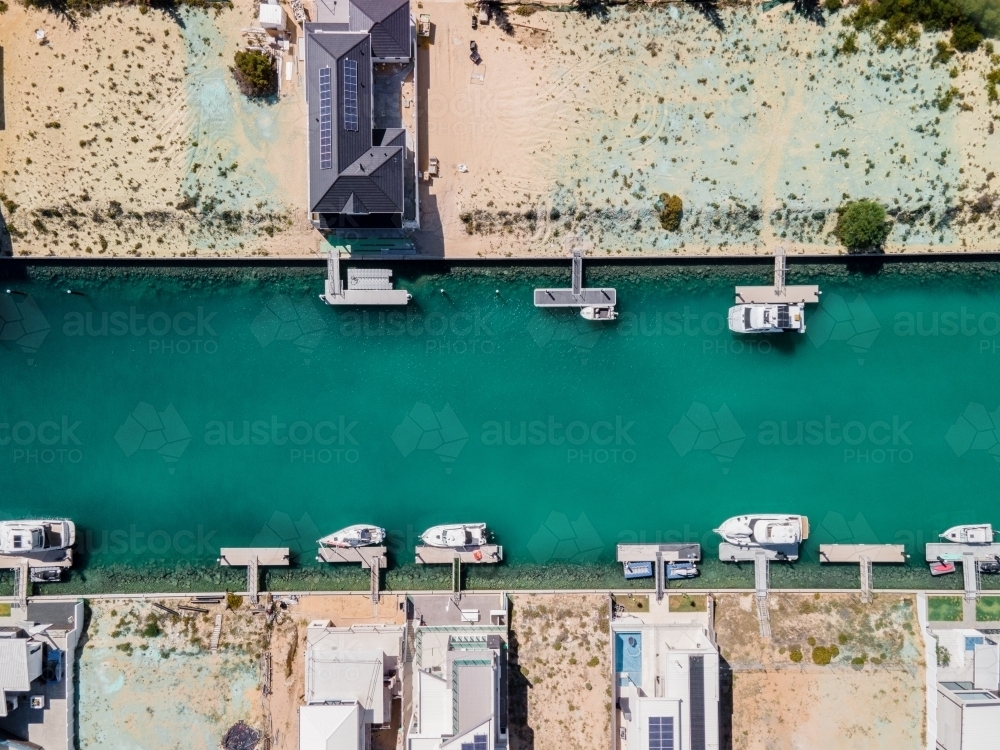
[778,293]
[776,553]
[365,286]
[577,295]
[956,552]
[251,558]
[852,553]
[864,555]
[372,558]
[669,552]
[481,555]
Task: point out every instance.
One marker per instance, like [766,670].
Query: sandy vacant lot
[125,135]
[560,690]
[574,124]
[140,688]
[870,695]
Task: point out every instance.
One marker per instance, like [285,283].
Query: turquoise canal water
[173,412]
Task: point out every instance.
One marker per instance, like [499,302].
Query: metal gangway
[762,583]
[22,580]
[970,572]
[866,579]
[253,580]
[660,576]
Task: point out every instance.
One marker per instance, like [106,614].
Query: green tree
[671,209]
[965,38]
[255,73]
[862,226]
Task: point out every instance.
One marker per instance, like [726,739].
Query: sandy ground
[573,126]
[168,690]
[871,695]
[560,685]
[125,135]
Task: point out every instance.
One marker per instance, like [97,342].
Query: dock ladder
[970,572]
[762,582]
[866,579]
[22,580]
[660,577]
[216,633]
[253,580]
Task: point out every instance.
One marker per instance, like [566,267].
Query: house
[357,166]
[968,689]
[352,680]
[666,684]
[459,674]
[37,654]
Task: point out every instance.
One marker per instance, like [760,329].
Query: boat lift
[779,292]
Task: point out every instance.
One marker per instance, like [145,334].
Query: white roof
[330,728]
[17,670]
[271,14]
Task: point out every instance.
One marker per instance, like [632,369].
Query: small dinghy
[977,533]
[638,570]
[942,567]
[592,312]
[680,570]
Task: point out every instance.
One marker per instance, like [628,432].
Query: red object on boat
[479,555]
[942,567]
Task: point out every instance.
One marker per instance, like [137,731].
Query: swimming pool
[628,658]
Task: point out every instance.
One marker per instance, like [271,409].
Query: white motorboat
[455,536]
[764,530]
[976,533]
[26,537]
[592,312]
[767,318]
[359,535]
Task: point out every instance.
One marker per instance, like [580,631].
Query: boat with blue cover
[638,570]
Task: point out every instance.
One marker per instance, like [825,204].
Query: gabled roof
[336,727]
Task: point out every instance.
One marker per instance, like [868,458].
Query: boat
[642,569]
[455,536]
[679,570]
[359,535]
[764,530]
[991,567]
[976,533]
[942,567]
[592,312]
[26,537]
[767,318]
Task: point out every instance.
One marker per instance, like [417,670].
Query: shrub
[862,225]
[943,656]
[833,5]
[152,629]
[823,655]
[255,73]
[593,662]
[795,654]
[233,601]
[671,209]
[965,38]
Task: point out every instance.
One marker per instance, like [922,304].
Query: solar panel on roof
[661,733]
[350,94]
[325,120]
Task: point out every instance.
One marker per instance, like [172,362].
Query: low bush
[255,73]
[671,210]
[862,225]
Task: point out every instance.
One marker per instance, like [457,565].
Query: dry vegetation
[560,690]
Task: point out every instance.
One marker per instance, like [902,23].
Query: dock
[648,552]
[956,552]
[762,585]
[372,558]
[365,286]
[776,553]
[577,295]
[252,558]
[864,555]
[778,293]
[487,553]
[970,575]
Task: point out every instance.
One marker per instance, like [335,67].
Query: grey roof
[388,22]
[367,173]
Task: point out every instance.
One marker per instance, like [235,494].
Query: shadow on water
[865,265]
[710,9]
